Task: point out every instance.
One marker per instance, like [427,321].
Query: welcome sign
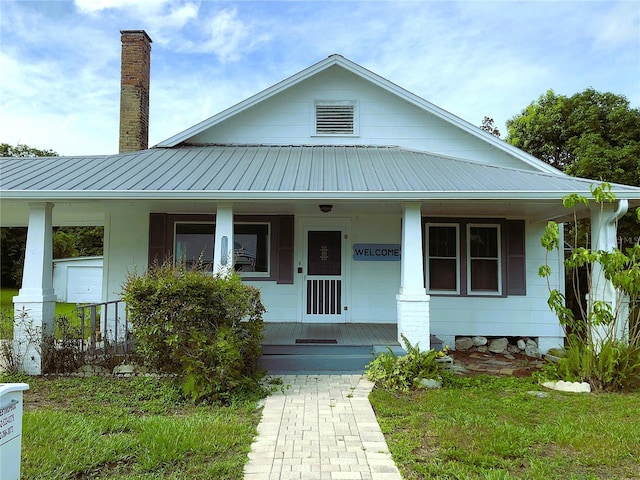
[376,252]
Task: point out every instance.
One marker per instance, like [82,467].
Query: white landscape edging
[574,387]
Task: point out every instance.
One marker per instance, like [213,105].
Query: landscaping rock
[482,349]
[575,387]
[521,344]
[124,370]
[464,343]
[532,350]
[538,394]
[498,345]
[430,383]
[513,349]
[477,341]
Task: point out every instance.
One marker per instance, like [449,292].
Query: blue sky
[60,60]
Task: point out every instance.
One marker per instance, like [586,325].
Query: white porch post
[604,218]
[35,304]
[412,300]
[223,247]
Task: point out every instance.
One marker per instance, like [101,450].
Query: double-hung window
[469,257]
[483,260]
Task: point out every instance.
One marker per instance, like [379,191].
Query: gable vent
[335,119]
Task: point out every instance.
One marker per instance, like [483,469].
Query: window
[251,247]
[465,257]
[443,258]
[335,118]
[194,244]
[483,260]
[263,244]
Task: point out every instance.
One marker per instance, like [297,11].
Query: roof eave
[222,195]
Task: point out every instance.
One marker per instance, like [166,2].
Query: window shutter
[157,238]
[516,262]
[285,249]
[335,119]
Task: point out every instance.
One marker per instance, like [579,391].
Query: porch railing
[108,327]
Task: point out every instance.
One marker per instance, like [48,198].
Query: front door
[324,284]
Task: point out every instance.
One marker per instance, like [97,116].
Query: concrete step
[310,364]
[316,358]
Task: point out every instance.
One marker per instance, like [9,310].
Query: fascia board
[295,195]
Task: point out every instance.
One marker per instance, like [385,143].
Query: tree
[488,126]
[590,134]
[67,241]
[21,150]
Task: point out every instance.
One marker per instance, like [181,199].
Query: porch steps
[318,359]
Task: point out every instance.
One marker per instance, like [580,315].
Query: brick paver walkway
[322,428]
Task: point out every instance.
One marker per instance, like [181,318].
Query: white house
[344,197]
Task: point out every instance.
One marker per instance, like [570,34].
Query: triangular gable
[340,61]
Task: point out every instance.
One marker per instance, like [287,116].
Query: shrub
[206,329]
[603,337]
[405,372]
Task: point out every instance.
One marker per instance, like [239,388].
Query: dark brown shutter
[157,238]
[516,262]
[285,249]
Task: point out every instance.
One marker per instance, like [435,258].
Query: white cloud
[620,26]
[225,35]
[157,15]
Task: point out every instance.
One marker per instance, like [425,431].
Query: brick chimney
[134,90]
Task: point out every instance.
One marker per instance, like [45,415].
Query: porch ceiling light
[325,208]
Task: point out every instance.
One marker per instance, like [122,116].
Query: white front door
[324,289]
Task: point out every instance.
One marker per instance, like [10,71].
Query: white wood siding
[374,285]
[512,316]
[288,119]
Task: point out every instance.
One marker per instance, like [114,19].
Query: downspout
[623,208]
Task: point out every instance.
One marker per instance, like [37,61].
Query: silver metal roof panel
[254,170]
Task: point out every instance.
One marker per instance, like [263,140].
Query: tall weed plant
[603,339]
[204,328]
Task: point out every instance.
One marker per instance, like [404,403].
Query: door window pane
[324,253]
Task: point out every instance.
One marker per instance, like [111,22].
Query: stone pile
[503,345]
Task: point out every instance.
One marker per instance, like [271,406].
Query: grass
[129,428]
[6,301]
[493,428]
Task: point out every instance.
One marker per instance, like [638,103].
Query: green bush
[405,372]
[614,366]
[205,329]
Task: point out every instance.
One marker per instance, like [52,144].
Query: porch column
[604,222]
[35,304]
[223,248]
[412,300]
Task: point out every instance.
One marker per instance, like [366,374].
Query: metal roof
[277,172]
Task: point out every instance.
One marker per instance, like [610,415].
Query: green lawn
[501,431]
[136,428]
[6,301]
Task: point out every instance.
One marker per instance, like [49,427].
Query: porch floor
[343,333]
